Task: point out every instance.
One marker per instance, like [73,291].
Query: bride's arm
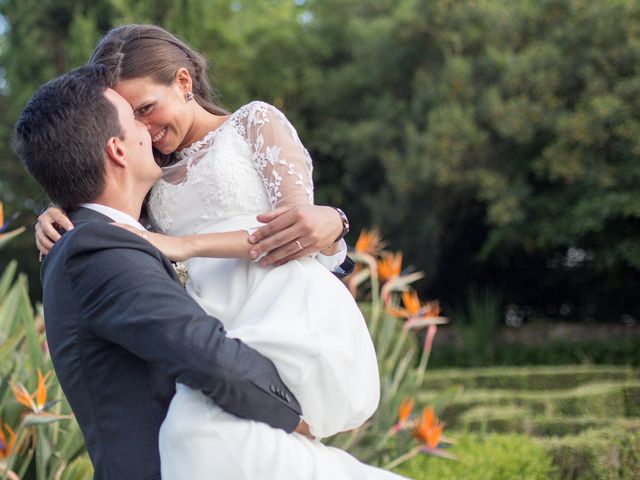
[220,245]
[285,167]
[213,245]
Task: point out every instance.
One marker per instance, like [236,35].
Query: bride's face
[163,110]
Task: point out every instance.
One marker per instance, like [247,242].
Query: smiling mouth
[159,136]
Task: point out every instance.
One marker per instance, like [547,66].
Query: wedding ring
[299,245]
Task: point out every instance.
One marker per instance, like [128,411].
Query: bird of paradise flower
[36,402]
[7,444]
[426,430]
[5,235]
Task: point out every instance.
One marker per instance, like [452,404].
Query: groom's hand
[294,231]
[303,429]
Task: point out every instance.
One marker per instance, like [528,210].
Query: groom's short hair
[62,132]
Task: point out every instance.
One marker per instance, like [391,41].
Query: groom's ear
[115,151]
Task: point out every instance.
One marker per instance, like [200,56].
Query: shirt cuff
[332,262]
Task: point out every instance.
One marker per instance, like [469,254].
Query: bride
[219,171]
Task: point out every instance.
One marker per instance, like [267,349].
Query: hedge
[607,400]
[607,454]
[531,378]
[622,351]
[611,454]
[520,420]
[485,457]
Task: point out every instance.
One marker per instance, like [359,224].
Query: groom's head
[74,131]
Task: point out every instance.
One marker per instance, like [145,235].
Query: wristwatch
[345,224]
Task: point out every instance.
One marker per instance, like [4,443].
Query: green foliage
[607,400]
[397,351]
[45,441]
[590,430]
[486,457]
[610,454]
[478,322]
[529,378]
[482,137]
[620,351]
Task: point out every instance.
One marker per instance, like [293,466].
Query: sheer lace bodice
[251,164]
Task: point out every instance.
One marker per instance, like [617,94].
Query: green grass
[485,457]
[569,422]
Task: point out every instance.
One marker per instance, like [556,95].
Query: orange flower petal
[411,302]
[22,396]
[433,436]
[390,266]
[41,391]
[406,406]
[7,447]
[428,417]
[370,241]
[398,312]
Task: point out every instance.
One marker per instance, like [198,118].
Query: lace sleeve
[278,155]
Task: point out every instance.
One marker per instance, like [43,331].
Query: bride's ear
[184,81]
[115,151]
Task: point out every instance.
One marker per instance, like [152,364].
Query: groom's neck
[123,202]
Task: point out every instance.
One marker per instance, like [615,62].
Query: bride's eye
[144,110]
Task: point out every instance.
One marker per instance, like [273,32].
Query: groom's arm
[128,298]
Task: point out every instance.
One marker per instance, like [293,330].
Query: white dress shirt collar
[115,215]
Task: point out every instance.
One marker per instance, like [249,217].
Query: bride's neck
[203,123]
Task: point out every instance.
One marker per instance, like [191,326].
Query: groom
[120,328]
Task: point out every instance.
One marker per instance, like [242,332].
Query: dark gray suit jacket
[122,331]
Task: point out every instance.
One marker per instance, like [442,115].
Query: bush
[533,378]
[520,420]
[489,457]
[608,400]
[622,351]
[48,443]
[612,454]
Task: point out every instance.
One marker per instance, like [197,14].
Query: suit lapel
[83,215]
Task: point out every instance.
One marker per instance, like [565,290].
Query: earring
[188,96]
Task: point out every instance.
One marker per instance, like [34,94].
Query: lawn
[568,422]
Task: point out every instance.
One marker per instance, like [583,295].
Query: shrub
[608,400]
[622,351]
[479,324]
[489,457]
[612,454]
[531,378]
[47,443]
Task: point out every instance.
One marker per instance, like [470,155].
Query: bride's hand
[46,228]
[175,249]
[303,429]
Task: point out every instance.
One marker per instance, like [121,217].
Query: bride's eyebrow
[143,103]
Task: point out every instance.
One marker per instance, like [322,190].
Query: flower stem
[403,458]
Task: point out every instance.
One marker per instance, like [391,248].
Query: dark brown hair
[62,132]
[135,51]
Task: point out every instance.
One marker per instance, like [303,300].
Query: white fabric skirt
[302,318]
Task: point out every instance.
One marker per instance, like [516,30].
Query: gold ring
[299,245]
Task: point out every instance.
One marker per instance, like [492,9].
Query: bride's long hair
[135,51]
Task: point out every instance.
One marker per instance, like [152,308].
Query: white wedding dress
[298,315]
